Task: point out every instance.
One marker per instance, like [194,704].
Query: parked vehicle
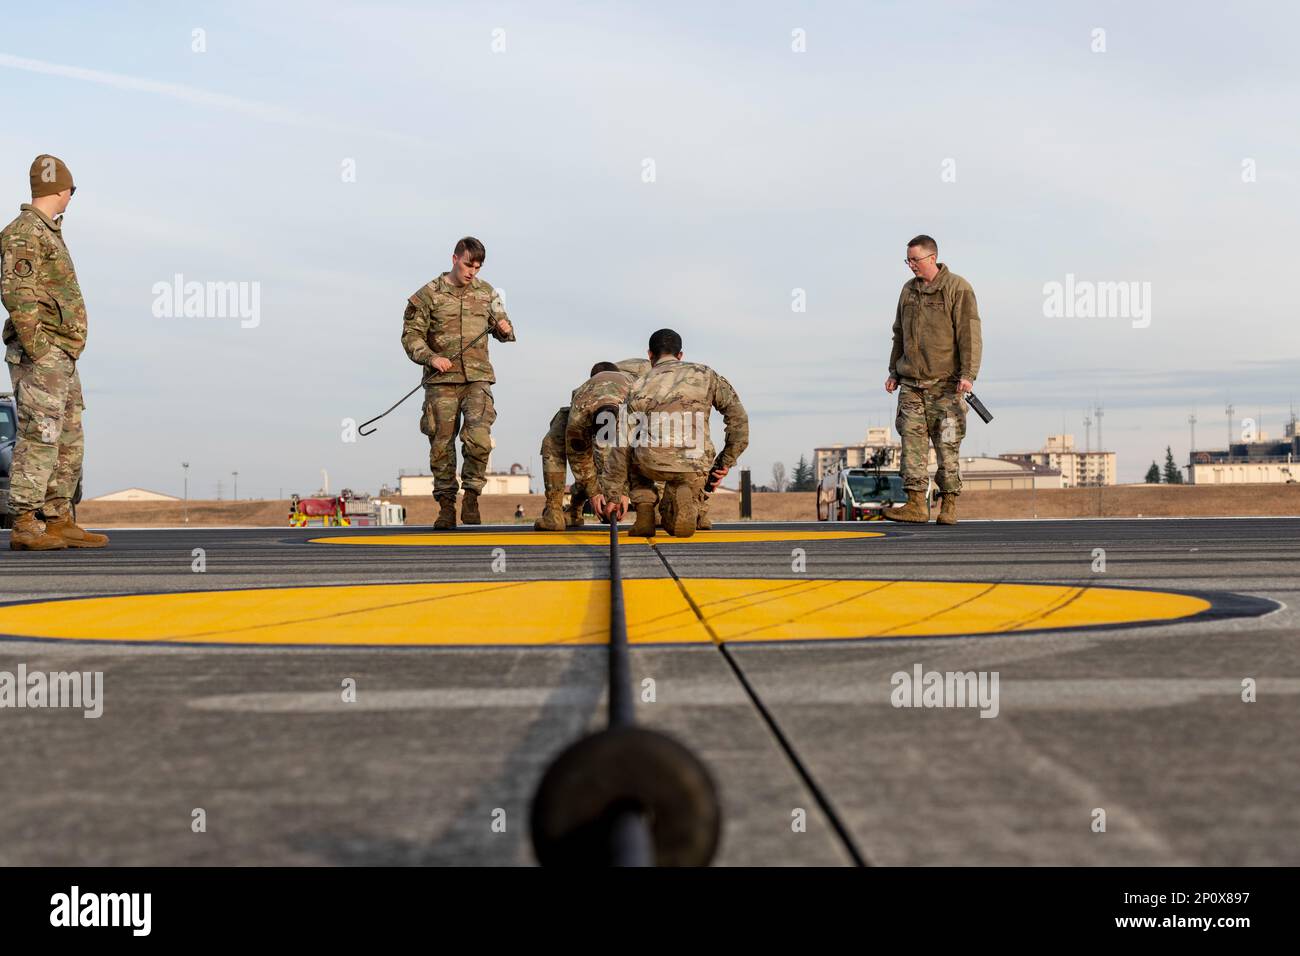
[860,494]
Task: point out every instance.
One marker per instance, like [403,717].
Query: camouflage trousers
[466,410]
[554,456]
[555,461]
[936,414]
[648,485]
[50,445]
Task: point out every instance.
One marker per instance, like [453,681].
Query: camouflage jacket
[603,388]
[667,427]
[936,331]
[39,286]
[442,319]
[636,366]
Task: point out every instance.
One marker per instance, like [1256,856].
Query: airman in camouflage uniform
[935,358]
[555,459]
[44,336]
[667,416]
[449,315]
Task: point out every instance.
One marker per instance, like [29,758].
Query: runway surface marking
[597,537]
[570,613]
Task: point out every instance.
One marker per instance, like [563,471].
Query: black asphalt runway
[1142,726]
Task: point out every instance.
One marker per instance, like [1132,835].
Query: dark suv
[8,431]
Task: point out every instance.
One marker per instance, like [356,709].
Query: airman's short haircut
[603,367]
[472,249]
[926,243]
[665,342]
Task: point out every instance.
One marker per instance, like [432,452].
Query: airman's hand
[965,385]
[891,383]
[605,508]
[718,474]
[440,364]
[505,326]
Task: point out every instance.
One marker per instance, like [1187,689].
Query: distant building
[1004,474]
[516,481]
[1078,469]
[831,457]
[1243,463]
[497,483]
[135,494]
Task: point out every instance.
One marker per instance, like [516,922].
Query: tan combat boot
[577,501]
[469,509]
[552,518]
[30,535]
[702,522]
[948,512]
[681,508]
[75,535]
[446,516]
[644,527]
[914,512]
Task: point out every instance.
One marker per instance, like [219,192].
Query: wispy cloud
[267,112]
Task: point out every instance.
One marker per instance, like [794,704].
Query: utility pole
[1191,421]
[235,475]
[186,466]
[1087,432]
[1229,410]
[1101,445]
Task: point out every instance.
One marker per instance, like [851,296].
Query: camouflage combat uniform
[44,334]
[440,320]
[633,466]
[936,344]
[555,456]
[601,390]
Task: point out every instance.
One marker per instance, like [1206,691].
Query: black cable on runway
[630,835]
[625,796]
[782,740]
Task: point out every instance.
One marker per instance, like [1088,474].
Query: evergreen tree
[803,478]
[1172,475]
[1153,474]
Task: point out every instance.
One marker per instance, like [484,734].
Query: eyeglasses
[910,261]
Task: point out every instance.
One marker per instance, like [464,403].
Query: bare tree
[778,477]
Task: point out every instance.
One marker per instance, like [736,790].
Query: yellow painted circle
[567,613]
[596,537]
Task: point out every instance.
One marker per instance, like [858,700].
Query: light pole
[186,466]
[235,475]
[1229,410]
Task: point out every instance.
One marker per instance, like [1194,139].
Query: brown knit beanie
[49,176]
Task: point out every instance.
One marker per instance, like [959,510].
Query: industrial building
[1263,461]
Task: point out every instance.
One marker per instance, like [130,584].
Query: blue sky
[775,170]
